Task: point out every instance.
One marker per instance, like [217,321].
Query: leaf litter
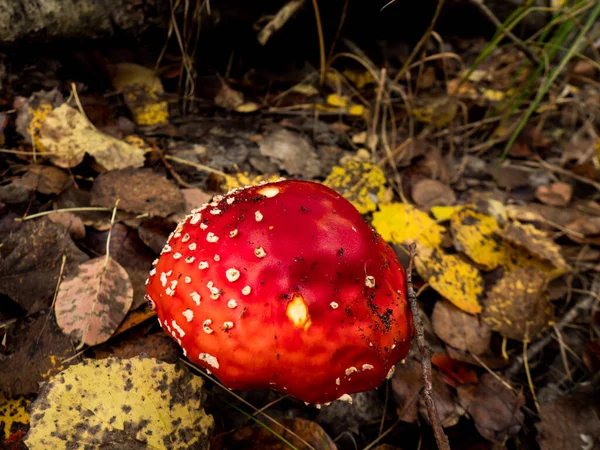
[507,242]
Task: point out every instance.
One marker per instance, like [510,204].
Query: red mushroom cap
[284,286]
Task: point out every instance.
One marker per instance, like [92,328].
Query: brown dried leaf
[459,329]
[72,223]
[45,179]
[30,261]
[228,98]
[139,191]
[258,438]
[427,193]
[571,422]
[91,305]
[155,231]
[157,345]
[35,350]
[407,384]
[291,152]
[495,409]
[518,306]
[556,194]
[535,241]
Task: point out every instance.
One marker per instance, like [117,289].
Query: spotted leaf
[120,403]
[92,304]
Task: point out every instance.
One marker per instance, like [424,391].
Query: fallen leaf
[13,416]
[240,180]
[570,422]
[72,223]
[339,101]
[535,241]
[400,223]
[156,345]
[45,179]
[91,304]
[155,231]
[67,136]
[360,182]
[407,384]
[462,331]
[143,90]
[427,193]
[339,417]
[445,213]
[495,409]
[518,306]
[475,235]
[33,111]
[455,372]
[20,372]
[30,262]
[291,152]
[556,194]
[139,191]
[259,438]
[454,279]
[72,197]
[152,405]
[228,98]
[248,107]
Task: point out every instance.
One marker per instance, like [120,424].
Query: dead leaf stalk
[425,350]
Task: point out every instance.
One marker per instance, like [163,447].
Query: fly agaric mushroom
[284,286]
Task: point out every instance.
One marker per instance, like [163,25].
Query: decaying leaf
[518,257]
[13,415]
[454,372]
[291,152]
[475,234]
[139,191]
[72,223]
[535,241]
[150,404]
[33,111]
[228,98]
[400,223]
[91,305]
[518,306]
[36,335]
[451,277]
[67,136]
[556,194]
[339,417]
[240,180]
[462,331]
[360,182]
[495,409]
[30,261]
[256,437]
[142,89]
[427,193]
[45,179]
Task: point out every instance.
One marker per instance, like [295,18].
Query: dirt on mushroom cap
[246,285]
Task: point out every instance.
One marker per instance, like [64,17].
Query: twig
[321,43]
[279,20]
[173,172]
[440,437]
[583,304]
[487,12]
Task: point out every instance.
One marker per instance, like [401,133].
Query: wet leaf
[535,241]
[30,261]
[36,335]
[152,405]
[400,223]
[360,182]
[495,409]
[13,416]
[91,305]
[570,422]
[475,234]
[291,152]
[143,91]
[518,306]
[462,331]
[67,136]
[139,191]
[453,278]
[258,438]
[427,193]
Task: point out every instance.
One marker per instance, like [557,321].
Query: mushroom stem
[438,431]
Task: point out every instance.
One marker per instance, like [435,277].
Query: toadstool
[284,286]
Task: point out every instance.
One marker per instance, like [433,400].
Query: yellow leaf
[248,107]
[305,89]
[453,278]
[360,182]
[400,223]
[137,402]
[356,110]
[13,415]
[67,136]
[240,180]
[339,101]
[475,234]
[360,79]
[142,89]
[444,213]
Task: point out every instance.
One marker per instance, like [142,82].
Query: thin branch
[434,418]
